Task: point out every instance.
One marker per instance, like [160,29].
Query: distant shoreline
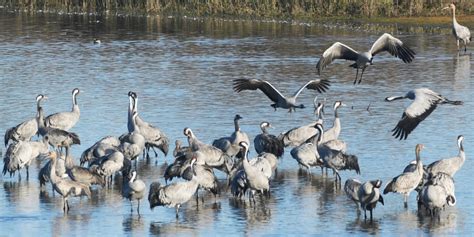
[403,23]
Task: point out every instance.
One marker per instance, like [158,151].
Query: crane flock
[194,165]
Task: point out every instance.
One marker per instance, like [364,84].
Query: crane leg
[27,173]
[405,200]
[357,74]
[177,210]
[138,208]
[131,206]
[371,216]
[362,73]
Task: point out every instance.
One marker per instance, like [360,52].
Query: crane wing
[318,84]
[423,105]
[254,84]
[394,46]
[336,51]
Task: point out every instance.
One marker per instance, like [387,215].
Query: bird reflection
[462,68]
[359,224]
[446,220]
[132,223]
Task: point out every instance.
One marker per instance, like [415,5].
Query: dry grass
[259,9]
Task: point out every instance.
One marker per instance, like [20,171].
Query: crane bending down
[173,195]
[460,32]
[386,42]
[276,96]
[424,103]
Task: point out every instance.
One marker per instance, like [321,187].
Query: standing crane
[460,32]
[66,187]
[65,120]
[133,189]
[408,181]
[25,130]
[449,165]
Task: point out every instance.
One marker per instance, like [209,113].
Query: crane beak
[444,8]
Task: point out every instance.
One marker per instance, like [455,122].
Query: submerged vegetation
[282,9]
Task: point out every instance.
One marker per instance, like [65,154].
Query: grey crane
[133,189]
[280,101]
[133,143]
[65,120]
[154,137]
[203,174]
[172,195]
[58,138]
[257,180]
[25,130]
[369,195]
[444,180]
[408,181]
[101,148]
[178,167]
[449,165]
[230,145]
[437,192]
[333,156]
[112,163]
[237,180]
[194,143]
[62,139]
[298,135]
[213,156]
[179,149]
[333,132]
[44,175]
[307,154]
[266,142]
[66,187]
[80,174]
[351,189]
[20,154]
[460,32]
[424,103]
[386,42]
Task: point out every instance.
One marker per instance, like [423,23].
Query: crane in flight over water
[386,42]
[276,96]
[424,103]
[460,32]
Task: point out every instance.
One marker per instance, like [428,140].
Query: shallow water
[182,70]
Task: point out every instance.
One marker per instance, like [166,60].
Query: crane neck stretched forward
[392,98]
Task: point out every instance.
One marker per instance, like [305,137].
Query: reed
[282,9]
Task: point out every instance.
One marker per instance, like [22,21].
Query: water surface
[182,70]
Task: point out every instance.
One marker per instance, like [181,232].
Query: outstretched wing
[318,84]
[423,105]
[254,84]
[394,46]
[336,51]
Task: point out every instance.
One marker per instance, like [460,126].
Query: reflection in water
[362,225]
[462,69]
[182,70]
[133,224]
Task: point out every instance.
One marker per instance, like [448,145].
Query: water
[182,70]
